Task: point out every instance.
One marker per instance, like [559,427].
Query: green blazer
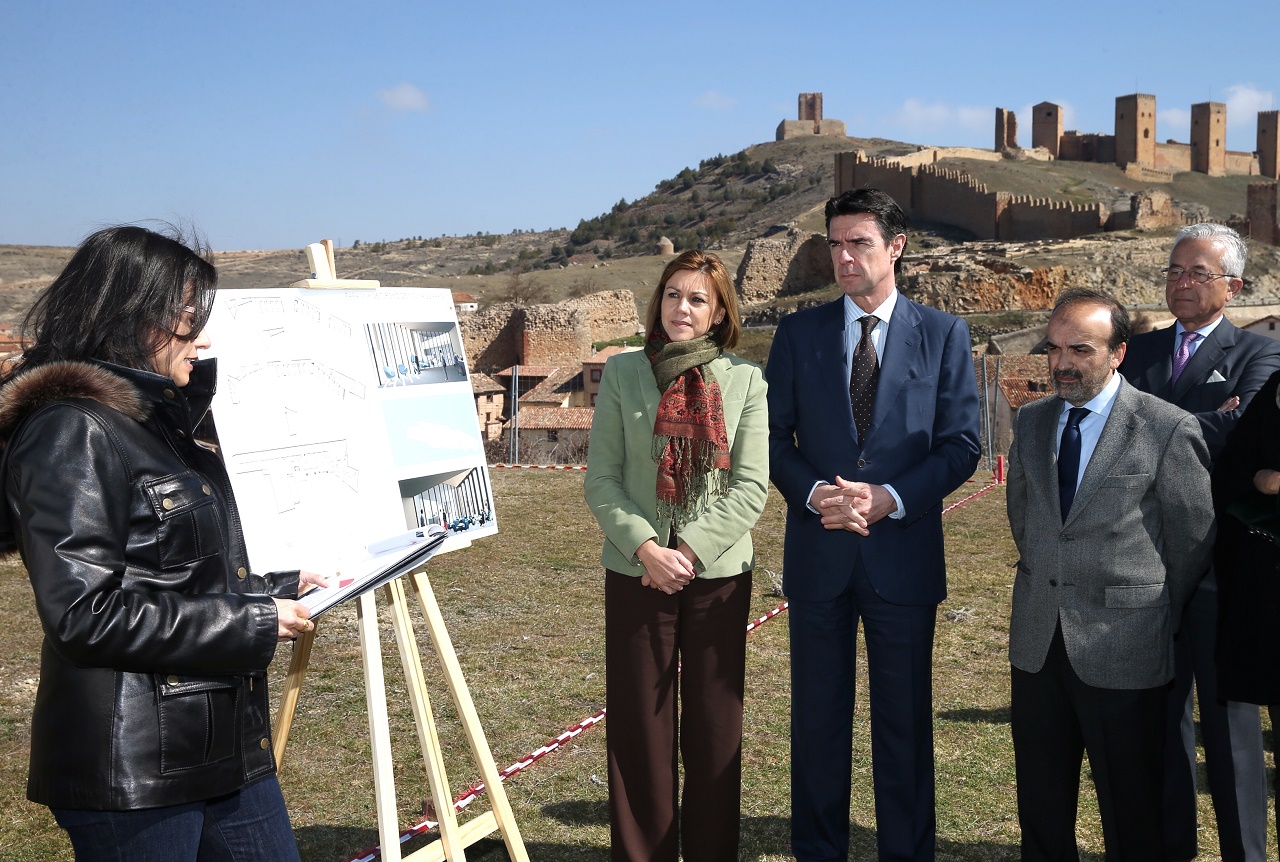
[622,475]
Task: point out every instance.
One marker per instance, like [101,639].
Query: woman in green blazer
[677,474]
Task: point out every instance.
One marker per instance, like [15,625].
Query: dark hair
[1121,327]
[726,332]
[120,298]
[890,218]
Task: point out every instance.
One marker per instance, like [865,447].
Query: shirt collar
[852,313]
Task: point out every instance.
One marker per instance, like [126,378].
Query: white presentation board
[346,419]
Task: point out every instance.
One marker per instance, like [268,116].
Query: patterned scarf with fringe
[690,442]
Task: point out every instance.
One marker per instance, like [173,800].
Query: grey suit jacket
[1138,538]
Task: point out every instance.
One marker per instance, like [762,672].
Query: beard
[1075,387]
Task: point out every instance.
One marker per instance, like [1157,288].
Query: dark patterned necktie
[863,377]
[1069,459]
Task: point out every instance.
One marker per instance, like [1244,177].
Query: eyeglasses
[1174,274]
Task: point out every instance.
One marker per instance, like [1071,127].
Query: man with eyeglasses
[1212,369]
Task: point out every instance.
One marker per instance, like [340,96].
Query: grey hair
[1235,252]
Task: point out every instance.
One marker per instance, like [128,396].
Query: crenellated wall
[953,197]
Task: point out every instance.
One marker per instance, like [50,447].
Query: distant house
[464,303]
[552,434]
[490,399]
[1012,381]
[1268,326]
[593,370]
[561,388]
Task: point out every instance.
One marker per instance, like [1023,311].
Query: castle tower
[1209,138]
[1046,127]
[1269,144]
[1006,130]
[1136,130]
[810,120]
[811,108]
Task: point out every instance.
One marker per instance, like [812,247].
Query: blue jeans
[251,825]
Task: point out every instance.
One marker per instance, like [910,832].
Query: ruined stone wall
[556,335]
[492,337]
[1149,208]
[1025,218]
[1269,144]
[1091,147]
[610,314]
[1006,130]
[504,334]
[1263,213]
[788,129]
[794,263]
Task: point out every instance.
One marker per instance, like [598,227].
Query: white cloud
[714,100]
[1244,101]
[1173,123]
[920,117]
[405,98]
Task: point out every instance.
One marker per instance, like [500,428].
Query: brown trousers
[695,638]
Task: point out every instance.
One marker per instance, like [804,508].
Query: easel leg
[292,690]
[423,719]
[480,752]
[375,690]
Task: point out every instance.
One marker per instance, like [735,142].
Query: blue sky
[274,124]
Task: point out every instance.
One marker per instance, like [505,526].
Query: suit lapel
[1042,444]
[1157,373]
[833,378]
[901,347]
[1117,435]
[1207,356]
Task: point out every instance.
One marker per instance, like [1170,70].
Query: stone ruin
[560,333]
[789,264]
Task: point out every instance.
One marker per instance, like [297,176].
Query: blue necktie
[1069,459]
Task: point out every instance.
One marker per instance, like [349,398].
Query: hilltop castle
[1133,146]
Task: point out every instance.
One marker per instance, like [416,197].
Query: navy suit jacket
[1238,362]
[923,440]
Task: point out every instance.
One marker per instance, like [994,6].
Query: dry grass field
[524,612]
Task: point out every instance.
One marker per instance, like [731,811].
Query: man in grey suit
[1108,500]
[1219,368]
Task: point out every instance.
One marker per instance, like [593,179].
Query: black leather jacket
[157,638]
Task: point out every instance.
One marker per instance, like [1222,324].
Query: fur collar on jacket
[62,381]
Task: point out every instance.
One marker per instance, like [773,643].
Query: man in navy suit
[871,424]
[1208,367]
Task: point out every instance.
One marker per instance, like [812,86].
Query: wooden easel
[454,837]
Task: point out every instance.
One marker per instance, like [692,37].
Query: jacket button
[242,573]
[264,744]
[172,679]
[169,393]
[205,488]
[862,462]
[182,435]
[167,504]
[1053,582]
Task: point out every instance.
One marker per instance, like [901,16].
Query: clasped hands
[667,569]
[852,506]
[294,618]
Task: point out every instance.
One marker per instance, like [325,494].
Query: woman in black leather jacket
[151,735]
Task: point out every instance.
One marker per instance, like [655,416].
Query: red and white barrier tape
[473,792]
[538,466]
